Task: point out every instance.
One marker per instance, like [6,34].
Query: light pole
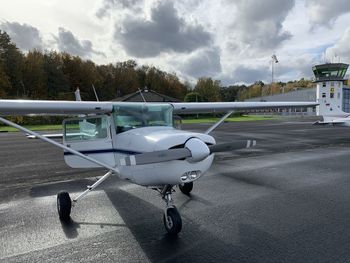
[273,61]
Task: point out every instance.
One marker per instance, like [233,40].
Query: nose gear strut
[171,218]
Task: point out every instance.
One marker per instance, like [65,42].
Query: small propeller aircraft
[137,142]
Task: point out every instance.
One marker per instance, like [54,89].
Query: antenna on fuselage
[143,98]
[93,87]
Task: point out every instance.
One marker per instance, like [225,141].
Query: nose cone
[199,150]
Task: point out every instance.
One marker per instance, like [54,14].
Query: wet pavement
[287,200]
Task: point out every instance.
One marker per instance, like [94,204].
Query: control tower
[329,90]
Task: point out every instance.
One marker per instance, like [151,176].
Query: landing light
[193,175]
[190,176]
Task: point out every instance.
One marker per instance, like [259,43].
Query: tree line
[56,75]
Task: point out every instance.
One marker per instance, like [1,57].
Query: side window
[85,129]
[332,95]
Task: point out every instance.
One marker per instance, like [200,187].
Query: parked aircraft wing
[26,107]
[210,107]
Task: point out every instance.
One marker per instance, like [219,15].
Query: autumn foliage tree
[208,89]
[56,75]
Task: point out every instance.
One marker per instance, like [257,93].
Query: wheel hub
[169,222]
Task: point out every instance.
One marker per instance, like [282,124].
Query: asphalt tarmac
[287,200]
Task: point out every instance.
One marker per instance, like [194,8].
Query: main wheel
[64,205]
[172,221]
[186,188]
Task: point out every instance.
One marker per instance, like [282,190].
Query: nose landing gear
[171,218]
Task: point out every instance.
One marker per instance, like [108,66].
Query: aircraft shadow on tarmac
[199,241]
[53,188]
[194,198]
[143,219]
[247,178]
[195,243]
[70,227]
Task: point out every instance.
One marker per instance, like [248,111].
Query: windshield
[135,115]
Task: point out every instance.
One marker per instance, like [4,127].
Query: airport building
[329,79]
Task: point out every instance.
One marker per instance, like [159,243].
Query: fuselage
[151,139]
[129,131]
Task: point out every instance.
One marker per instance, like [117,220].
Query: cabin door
[90,136]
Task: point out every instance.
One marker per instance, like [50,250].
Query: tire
[186,188]
[174,224]
[64,205]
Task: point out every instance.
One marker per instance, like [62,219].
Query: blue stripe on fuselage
[105,151]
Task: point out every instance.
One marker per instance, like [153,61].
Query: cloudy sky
[230,40]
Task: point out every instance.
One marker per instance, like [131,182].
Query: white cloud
[25,36]
[203,63]
[341,50]
[325,12]
[69,43]
[164,32]
[258,24]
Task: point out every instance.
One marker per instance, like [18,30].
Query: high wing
[27,107]
[53,107]
[211,107]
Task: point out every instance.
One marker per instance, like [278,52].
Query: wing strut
[218,123]
[10,123]
[92,187]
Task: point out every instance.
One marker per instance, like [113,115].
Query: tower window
[324,84]
[332,95]
[323,94]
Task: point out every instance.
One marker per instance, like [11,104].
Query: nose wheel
[171,218]
[172,221]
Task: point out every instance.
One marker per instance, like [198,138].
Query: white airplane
[137,142]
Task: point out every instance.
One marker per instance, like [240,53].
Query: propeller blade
[231,146]
[156,157]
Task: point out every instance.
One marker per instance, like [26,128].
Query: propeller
[231,146]
[195,150]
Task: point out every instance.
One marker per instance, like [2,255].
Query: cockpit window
[135,115]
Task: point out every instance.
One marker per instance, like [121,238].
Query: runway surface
[287,200]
